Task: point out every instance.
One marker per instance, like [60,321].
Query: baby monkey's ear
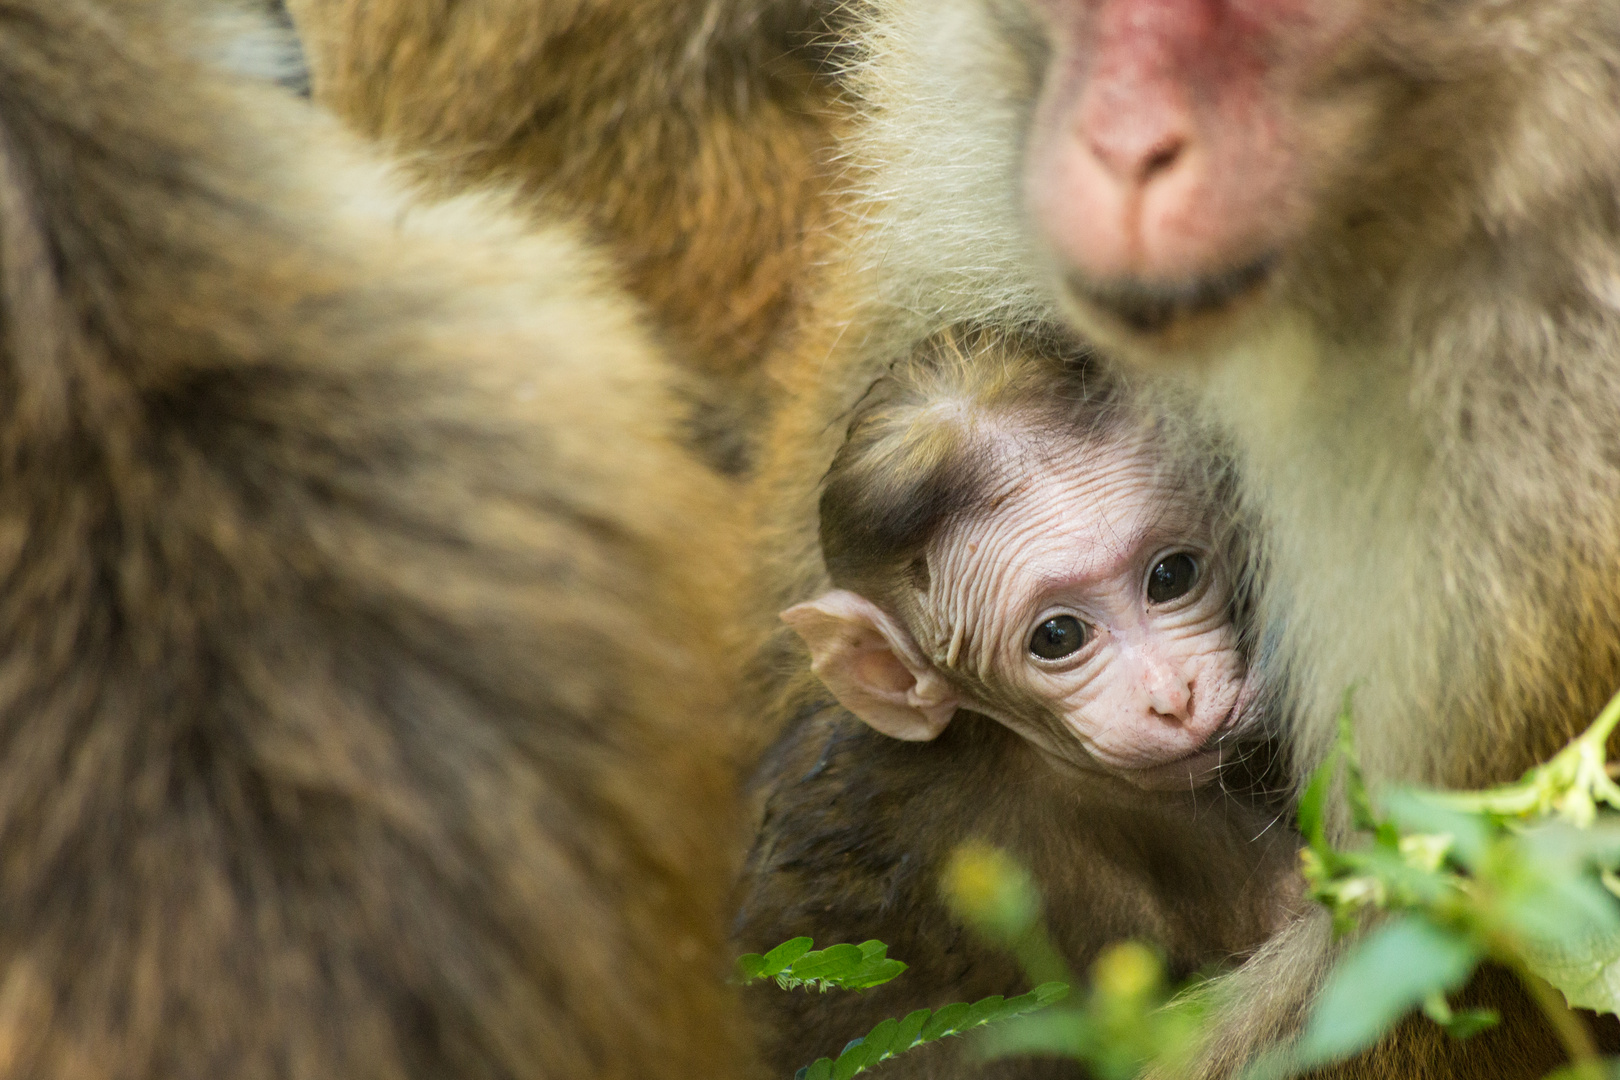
[873,666]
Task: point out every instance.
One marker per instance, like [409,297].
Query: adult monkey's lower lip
[1156,308]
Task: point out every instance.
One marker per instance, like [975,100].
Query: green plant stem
[1583,1053]
[1606,722]
[1039,957]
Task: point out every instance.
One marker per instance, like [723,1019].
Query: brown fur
[358,696]
[694,137]
[1422,404]
[857,828]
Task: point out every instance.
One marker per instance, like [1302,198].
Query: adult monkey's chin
[1149,320]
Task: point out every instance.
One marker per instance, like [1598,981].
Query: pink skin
[1167,144]
[1076,535]
[1156,682]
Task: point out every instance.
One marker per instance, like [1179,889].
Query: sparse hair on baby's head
[927,445]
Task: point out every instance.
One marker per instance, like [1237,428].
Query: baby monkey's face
[1089,606]
[1084,610]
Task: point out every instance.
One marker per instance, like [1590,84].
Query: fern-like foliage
[845,967]
[893,1037]
[796,963]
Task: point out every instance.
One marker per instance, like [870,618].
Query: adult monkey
[693,137]
[1376,244]
[320,755]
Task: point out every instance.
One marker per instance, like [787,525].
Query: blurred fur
[693,137]
[361,682]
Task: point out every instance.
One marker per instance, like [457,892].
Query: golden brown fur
[1422,406]
[358,692]
[694,138]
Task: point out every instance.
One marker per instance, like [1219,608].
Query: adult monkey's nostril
[1161,160]
[1136,164]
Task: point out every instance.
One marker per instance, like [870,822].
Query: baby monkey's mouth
[1226,746]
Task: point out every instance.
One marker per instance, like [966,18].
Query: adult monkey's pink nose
[1156,158]
[1135,152]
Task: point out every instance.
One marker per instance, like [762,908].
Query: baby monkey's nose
[1169,693]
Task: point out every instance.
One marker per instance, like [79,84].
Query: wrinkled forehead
[1062,512]
[1101,489]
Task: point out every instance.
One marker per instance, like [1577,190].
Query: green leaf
[1048,993]
[1355,784]
[1014,1006]
[875,968]
[831,964]
[1466,1023]
[980,1012]
[1608,1067]
[892,1037]
[785,954]
[1313,804]
[944,1021]
[910,1029]
[1567,913]
[881,1039]
[1416,811]
[849,1063]
[995,1010]
[1596,845]
[820,1069]
[750,966]
[872,973]
[1380,980]
[848,967]
[1459,1025]
[1546,887]
[1578,954]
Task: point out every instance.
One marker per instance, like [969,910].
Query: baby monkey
[1016,540]
[1009,538]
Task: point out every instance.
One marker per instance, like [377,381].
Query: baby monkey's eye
[1057,637]
[1172,578]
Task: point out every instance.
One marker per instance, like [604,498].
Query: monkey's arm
[1264,1002]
